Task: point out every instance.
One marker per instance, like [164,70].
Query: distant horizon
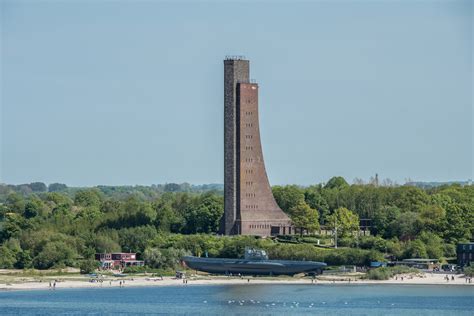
[222,184]
[132,92]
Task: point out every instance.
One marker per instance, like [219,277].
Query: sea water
[246,299]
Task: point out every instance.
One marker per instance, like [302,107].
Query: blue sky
[115,92]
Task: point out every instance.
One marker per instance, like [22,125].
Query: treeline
[402,212]
[115,192]
[49,228]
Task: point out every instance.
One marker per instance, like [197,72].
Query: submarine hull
[252,267]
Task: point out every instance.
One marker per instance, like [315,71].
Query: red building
[118,260]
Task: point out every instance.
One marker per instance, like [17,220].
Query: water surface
[246,299]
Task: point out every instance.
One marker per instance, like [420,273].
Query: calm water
[246,299]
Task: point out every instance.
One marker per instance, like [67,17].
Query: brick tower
[249,206]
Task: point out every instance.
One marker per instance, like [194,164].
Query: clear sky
[122,92]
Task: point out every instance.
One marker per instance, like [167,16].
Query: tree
[288,196]
[416,249]
[304,217]
[11,226]
[336,183]
[153,257]
[88,266]
[205,214]
[409,198]
[15,203]
[459,222]
[106,243]
[405,227]
[54,254]
[7,258]
[433,245]
[56,187]
[383,218]
[87,198]
[136,239]
[38,187]
[172,187]
[32,209]
[89,215]
[432,217]
[23,260]
[344,220]
[137,213]
[167,220]
[316,201]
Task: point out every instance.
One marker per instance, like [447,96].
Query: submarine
[255,262]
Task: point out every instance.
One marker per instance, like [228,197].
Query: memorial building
[249,205]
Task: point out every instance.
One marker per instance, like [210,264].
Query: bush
[55,254]
[147,269]
[469,271]
[135,269]
[88,266]
[386,273]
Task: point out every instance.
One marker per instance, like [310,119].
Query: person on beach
[452,278]
[50,284]
[54,285]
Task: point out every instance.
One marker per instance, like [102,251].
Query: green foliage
[405,227]
[373,242]
[432,217]
[135,239]
[344,220]
[469,271]
[24,260]
[205,215]
[66,225]
[316,201]
[416,249]
[57,187]
[15,203]
[55,254]
[385,273]
[7,258]
[288,196]
[304,217]
[88,266]
[165,258]
[336,183]
[107,241]
[38,187]
[88,198]
[433,245]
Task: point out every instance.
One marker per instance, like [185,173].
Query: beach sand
[77,281]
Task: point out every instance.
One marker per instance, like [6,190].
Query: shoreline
[143,281]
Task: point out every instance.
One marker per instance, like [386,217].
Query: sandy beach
[78,281]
